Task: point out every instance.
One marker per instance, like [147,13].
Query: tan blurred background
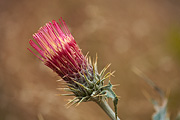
[127,33]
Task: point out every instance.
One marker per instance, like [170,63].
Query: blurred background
[127,33]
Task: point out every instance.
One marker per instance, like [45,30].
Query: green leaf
[161,111]
[109,93]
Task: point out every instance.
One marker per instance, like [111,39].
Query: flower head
[60,52]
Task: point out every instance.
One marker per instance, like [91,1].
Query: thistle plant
[161,110]
[60,52]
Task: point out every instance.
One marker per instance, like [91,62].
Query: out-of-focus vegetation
[174,41]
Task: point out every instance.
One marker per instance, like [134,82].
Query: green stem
[104,105]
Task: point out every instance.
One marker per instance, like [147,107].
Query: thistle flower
[60,52]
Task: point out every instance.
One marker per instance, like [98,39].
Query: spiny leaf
[95,63]
[105,77]
[87,80]
[68,94]
[109,74]
[75,102]
[65,89]
[111,94]
[81,100]
[104,69]
[86,89]
[72,102]
[94,71]
[71,85]
[74,89]
[88,74]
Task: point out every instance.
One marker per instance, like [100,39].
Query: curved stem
[104,105]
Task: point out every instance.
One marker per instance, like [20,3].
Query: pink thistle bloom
[59,51]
